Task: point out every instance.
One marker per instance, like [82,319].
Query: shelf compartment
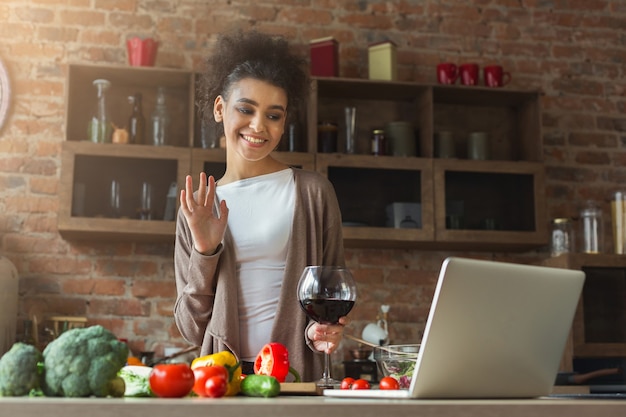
[489,203]
[510,118]
[125,81]
[363,210]
[599,328]
[376,103]
[90,168]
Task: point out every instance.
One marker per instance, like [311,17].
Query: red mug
[447,73]
[469,74]
[495,76]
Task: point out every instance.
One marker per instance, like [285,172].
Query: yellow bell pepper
[227,360]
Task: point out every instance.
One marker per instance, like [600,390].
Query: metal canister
[379,143]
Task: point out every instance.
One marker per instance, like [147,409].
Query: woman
[243,241]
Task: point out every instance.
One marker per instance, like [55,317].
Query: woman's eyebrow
[254,103]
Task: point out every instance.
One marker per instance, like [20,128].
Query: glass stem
[326,375]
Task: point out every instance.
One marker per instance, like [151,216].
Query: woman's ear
[218,108]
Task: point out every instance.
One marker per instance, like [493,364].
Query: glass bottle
[136,122]
[100,127]
[160,120]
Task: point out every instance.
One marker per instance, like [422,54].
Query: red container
[141,52]
[324,57]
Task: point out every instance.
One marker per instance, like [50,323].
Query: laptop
[494,330]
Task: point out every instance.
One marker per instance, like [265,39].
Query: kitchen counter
[302,406]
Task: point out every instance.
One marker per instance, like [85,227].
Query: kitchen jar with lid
[378,142]
[562,237]
[591,228]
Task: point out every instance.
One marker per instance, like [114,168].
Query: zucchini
[260,386]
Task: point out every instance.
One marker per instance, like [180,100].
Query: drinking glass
[145,211]
[114,199]
[326,293]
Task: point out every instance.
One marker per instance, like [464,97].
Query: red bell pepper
[273,360]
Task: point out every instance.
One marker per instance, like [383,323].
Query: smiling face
[254,116]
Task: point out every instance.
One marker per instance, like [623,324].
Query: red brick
[89,286]
[115,306]
[151,289]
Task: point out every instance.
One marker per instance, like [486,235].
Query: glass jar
[591,228]
[561,240]
[100,128]
[379,143]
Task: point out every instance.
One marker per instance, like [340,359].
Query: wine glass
[326,293]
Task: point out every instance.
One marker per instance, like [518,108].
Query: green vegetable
[137,381]
[260,386]
[83,362]
[19,372]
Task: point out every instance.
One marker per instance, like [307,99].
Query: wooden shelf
[599,328]
[508,190]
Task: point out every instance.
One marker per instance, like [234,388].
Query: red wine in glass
[326,293]
[326,310]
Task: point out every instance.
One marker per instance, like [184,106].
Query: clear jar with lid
[379,142]
[591,228]
[561,239]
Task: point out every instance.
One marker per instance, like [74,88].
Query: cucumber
[260,386]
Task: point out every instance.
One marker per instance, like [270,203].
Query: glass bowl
[397,361]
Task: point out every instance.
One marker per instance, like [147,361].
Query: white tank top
[260,218]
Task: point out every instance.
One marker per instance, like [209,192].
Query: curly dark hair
[254,55]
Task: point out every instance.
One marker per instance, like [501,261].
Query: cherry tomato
[389,382]
[216,386]
[347,382]
[171,380]
[360,384]
[203,373]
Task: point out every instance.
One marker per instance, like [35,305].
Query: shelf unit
[599,328]
[507,191]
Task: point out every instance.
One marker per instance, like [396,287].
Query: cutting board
[299,388]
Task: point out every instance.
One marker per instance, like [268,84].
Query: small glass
[350,128]
[114,199]
[145,210]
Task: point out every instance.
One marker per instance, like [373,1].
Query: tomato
[360,384]
[171,380]
[347,382]
[389,382]
[203,373]
[216,386]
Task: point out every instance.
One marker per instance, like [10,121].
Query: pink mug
[469,74]
[495,76]
[447,73]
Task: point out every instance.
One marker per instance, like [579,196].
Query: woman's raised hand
[207,229]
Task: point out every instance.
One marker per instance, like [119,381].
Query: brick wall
[574,50]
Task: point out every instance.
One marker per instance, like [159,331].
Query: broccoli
[83,362]
[19,371]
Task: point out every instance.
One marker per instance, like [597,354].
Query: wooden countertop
[305,407]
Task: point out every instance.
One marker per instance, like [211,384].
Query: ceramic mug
[447,73]
[478,146]
[444,144]
[495,76]
[469,74]
[401,137]
[141,52]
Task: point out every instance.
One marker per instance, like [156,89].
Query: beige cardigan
[206,310]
